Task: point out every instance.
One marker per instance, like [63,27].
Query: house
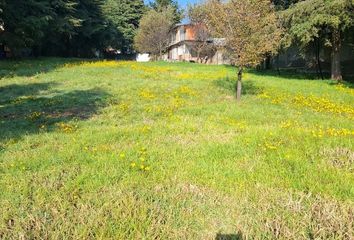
[191,42]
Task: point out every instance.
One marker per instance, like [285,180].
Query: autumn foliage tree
[153,33]
[250,29]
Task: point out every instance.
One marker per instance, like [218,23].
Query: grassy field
[121,150]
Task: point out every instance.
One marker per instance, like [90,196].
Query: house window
[182,33]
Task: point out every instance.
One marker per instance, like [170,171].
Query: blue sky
[182,3]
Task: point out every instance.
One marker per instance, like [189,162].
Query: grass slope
[161,151]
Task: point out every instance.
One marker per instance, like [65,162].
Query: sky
[182,3]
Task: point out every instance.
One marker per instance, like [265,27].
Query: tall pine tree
[124,16]
[68,27]
[159,5]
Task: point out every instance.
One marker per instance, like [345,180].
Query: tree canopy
[160,5]
[309,20]
[124,15]
[250,29]
[153,33]
[68,27]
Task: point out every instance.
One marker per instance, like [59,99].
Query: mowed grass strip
[126,150]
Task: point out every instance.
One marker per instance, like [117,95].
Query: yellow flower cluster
[320,132]
[34,116]
[185,90]
[343,88]
[318,104]
[146,94]
[234,123]
[145,129]
[22,99]
[124,107]
[322,104]
[289,124]
[270,144]
[104,63]
[154,70]
[275,98]
[201,76]
[141,162]
[150,72]
[165,110]
[173,100]
[66,128]
[100,148]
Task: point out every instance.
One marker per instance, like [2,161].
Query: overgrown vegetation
[160,151]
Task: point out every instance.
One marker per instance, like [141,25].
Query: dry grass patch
[339,157]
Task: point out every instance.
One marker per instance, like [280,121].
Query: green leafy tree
[250,29]
[321,20]
[153,33]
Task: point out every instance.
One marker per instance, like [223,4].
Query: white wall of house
[180,53]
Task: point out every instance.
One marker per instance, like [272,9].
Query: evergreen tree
[64,25]
[68,27]
[158,5]
[124,15]
[24,23]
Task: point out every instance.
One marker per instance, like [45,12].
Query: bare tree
[153,33]
[250,29]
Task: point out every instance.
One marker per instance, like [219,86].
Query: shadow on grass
[293,74]
[346,84]
[237,236]
[23,112]
[11,92]
[296,74]
[32,67]
[286,74]
[248,86]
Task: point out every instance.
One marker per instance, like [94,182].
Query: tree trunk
[314,47]
[336,73]
[318,49]
[239,84]
[268,62]
[278,70]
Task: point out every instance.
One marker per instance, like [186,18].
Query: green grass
[163,151]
